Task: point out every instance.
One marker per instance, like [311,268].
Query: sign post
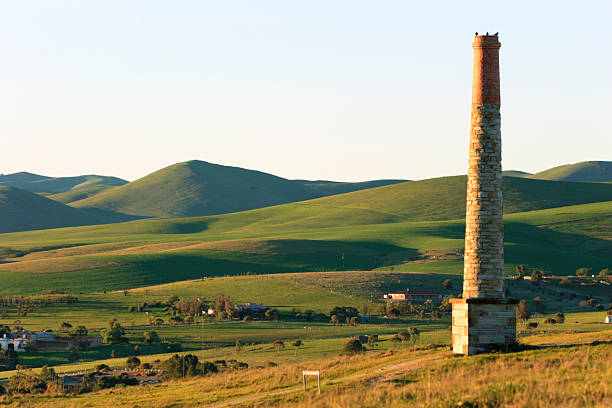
[312,373]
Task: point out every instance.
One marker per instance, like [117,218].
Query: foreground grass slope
[560,375]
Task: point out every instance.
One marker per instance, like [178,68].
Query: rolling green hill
[53,185]
[589,171]
[197,188]
[22,210]
[416,226]
[80,193]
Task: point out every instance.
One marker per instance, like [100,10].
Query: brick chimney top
[486,41]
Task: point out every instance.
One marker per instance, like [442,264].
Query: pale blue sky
[342,90]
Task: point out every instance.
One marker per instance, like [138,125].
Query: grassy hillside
[22,210]
[589,171]
[53,185]
[199,188]
[286,239]
[80,193]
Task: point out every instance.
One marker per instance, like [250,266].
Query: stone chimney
[483,319]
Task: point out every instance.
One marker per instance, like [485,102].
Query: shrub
[102,367]
[8,360]
[26,382]
[73,356]
[403,336]
[137,350]
[132,362]
[145,366]
[550,320]
[447,284]
[353,346]
[48,374]
[559,317]
[80,331]
[172,347]
[151,337]
[584,271]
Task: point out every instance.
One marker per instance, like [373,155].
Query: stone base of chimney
[481,325]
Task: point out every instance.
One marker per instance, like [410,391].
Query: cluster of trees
[418,310]
[114,333]
[411,335]
[187,366]
[24,304]
[8,360]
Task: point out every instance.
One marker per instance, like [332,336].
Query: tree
[219,304]
[334,320]
[151,337]
[74,356]
[539,305]
[132,362]
[297,344]
[522,313]
[353,321]
[584,271]
[48,374]
[559,317]
[238,346]
[447,284]
[79,331]
[137,350]
[521,271]
[183,366]
[536,277]
[353,346]
[8,360]
[26,382]
[65,326]
[113,354]
[271,314]
[403,336]
[114,334]
[605,272]
[278,345]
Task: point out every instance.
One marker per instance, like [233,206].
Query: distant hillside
[589,171]
[53,185]
[80,193]
[22,210]
[515,173]
[197,188]
[444,198]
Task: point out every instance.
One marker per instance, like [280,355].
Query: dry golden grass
[54,265]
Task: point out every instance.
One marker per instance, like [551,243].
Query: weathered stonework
[482,324]
[484,318]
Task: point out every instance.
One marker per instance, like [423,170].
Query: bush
[403,336]
[48,374]
[102,367]
[8,360]
[151,337]
[133,362]
[145,366]
[584,271]
[110,382]
[26,382]
[353,346]
[559,317]
[182,366]
[73,356]
[550,320]
[447,284]
[172,347]
[137,350]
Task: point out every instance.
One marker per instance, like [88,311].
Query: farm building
[414,296]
